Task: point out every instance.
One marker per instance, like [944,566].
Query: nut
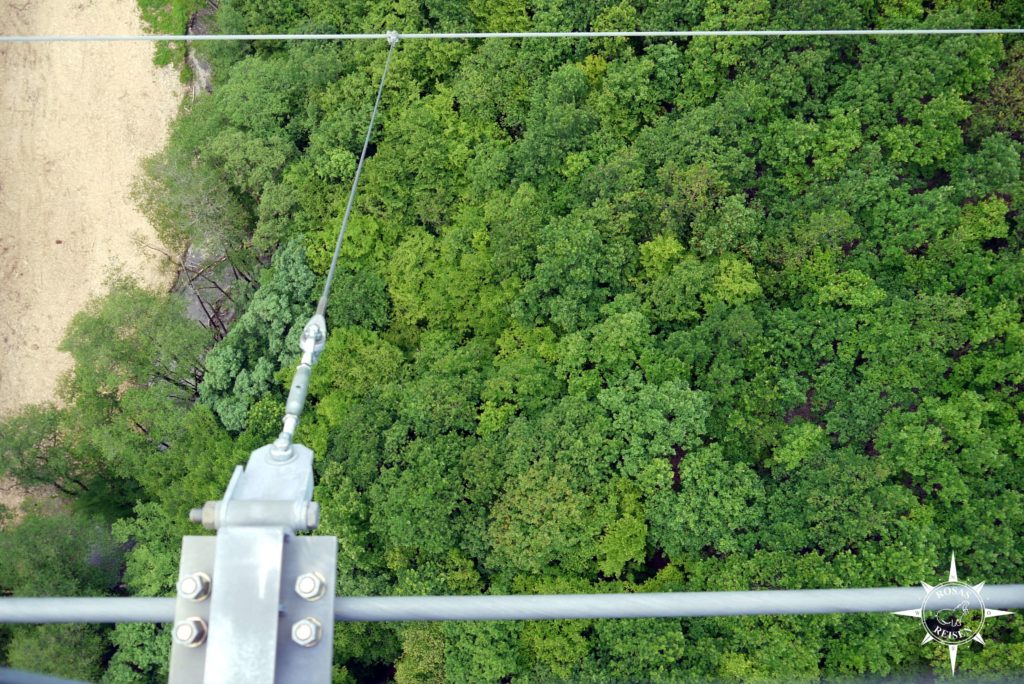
[310,586]
[190,632]
[307,632]
[194,587]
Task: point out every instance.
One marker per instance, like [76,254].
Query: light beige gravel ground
[75,121]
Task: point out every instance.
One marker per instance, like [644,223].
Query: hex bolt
[194,587]
[307,632]
[310,586]
[190,633]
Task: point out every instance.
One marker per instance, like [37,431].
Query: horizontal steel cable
[509,34]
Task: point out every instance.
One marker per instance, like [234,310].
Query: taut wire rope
[321,306]
[391,35]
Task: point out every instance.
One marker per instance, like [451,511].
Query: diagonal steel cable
[321,306]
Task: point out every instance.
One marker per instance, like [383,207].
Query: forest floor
[77,119]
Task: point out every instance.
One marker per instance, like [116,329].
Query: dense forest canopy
[612,315]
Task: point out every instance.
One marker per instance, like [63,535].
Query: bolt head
[307,632]
[194,587]
[310,586]
[190,632]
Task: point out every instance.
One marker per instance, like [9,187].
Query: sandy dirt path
[75,121]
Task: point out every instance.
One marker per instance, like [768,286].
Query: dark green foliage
[58,555]
[262,340]
[142,654]
[124,444]
[69,651]
[611,315]
[35,450]
[1002,107]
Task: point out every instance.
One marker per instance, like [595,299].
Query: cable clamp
[313,339]
[393,37]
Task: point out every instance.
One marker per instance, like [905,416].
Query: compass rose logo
[953,613]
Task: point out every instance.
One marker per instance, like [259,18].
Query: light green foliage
[853,289]
[623,542]
[542,524]
[61,650]
[58,555]
[611,315]
[138,361]
[142,655]
[716,506]
[800,442]
[422,660]
[35,450]
[168,18]
[133,336]
[481,651]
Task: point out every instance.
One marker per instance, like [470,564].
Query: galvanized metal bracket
[262,626]
[256,603]
[188,657]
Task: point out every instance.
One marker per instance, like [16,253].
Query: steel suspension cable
[321,307]
[510,34]
[314,334]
